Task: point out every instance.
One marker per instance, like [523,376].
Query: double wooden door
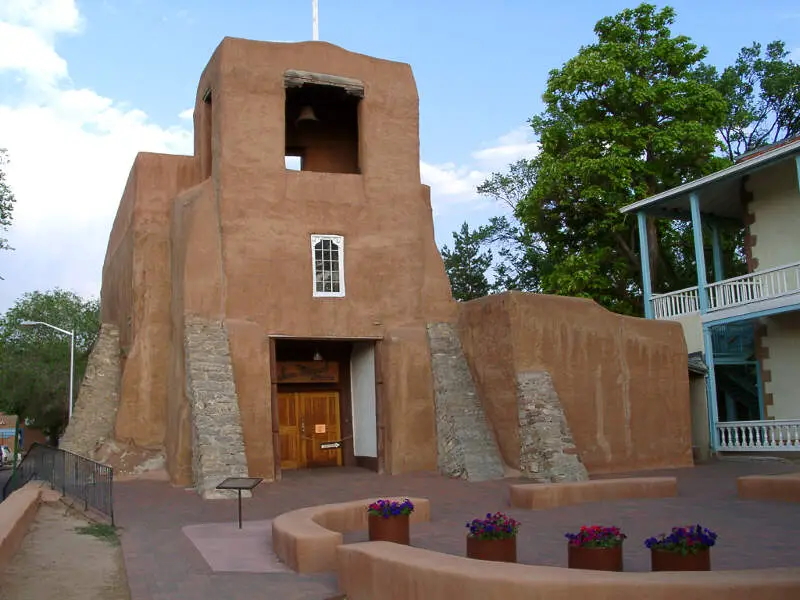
[307,420]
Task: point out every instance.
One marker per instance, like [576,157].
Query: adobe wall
[136,290]
[622,381]
[395,278]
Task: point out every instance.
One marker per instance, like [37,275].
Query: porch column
[700,259]
[797,164]
[716,246]
[644,256]
[711,388]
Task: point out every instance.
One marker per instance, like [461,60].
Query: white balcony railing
[675,304]
[729,293]
[757,436]
[759,285]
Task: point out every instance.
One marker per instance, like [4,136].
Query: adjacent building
[745,329]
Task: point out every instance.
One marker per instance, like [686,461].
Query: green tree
[34,360]
[468,262]
[6,200]
[763,94]
[625,118]
[520,251]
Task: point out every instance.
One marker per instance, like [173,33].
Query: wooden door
[307,419]
[289,431]
[319,418]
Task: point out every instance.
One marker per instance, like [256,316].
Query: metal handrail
[75,476]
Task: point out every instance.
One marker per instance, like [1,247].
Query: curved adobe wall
[386,571]
[16,515]
[306,539]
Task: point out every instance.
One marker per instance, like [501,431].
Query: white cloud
[71,150]
[508,148]
[454,186]
[187,114]
[27,31]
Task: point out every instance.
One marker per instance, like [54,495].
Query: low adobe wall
[622,382]
[386,571]
[541,496]
[784,488]
[16,515]
[306,539]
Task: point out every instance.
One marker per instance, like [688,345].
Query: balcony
[760,290]
[754,436]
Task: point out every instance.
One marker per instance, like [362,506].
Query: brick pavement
[162,563]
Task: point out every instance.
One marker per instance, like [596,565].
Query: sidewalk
[163,563]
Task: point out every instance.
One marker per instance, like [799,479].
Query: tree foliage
[624,119]
[6,201]
[34,360]
[467,263]
[763,95]
[632,114]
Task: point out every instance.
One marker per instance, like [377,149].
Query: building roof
[718,192]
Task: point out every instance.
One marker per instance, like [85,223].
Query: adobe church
[277,302]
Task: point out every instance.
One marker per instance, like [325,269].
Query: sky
[86,84]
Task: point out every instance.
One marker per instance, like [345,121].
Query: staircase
[217,440]
[466,444]
[95,411]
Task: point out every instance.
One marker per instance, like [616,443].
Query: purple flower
[690,539]
[596,536]
[390,508]
[496,526]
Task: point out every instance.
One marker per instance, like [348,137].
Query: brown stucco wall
[225,235]
[136,292]
[264,214]
[195,265]
[622,381]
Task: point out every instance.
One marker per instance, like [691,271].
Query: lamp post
[71,335]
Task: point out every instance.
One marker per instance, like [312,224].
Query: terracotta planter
[661,560]
[496,550]
[594,559]
[389,529]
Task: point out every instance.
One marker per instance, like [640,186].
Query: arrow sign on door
[330,445]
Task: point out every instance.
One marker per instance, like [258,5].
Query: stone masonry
[547,450]
[95,410]
[466,444]
[217,440]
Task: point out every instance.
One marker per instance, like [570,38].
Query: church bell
[306,114]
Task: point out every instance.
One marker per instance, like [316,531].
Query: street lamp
[71,335]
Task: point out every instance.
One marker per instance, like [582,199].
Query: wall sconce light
[317,355]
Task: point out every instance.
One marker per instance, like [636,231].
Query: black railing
[79,478]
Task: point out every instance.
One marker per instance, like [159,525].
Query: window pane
[327,278]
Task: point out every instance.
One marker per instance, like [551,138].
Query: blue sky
[85,84]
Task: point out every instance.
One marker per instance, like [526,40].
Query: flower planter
[663,560]
[504,550]
[394,528]
[594,559]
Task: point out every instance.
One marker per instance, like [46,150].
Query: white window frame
[339,241]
